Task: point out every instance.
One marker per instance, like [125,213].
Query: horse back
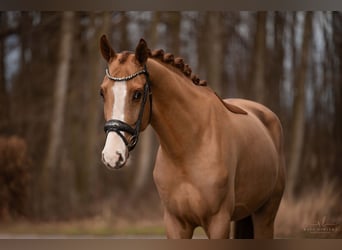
[268,118]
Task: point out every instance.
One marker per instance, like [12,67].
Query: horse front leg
[218,226]
[177,229]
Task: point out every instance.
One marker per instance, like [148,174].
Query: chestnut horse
[219,160]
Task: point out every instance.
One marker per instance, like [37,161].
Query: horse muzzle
[115,152]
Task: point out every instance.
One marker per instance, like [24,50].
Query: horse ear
[107,51]
[142,52]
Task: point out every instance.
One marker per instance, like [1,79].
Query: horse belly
[255,177]
[248,200]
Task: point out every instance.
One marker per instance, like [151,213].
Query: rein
[119,126]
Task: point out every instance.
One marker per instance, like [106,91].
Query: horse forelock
[123,56]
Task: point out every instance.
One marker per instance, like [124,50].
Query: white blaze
[115,152]
[120,91]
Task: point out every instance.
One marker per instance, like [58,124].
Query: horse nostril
[120,156]
[121,161]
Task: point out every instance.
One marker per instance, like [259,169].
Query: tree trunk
[214,51]
[55,143]
[92,153]
[152,31]
[275,76]
[4,101]
[174,21]
[298,124]
[147,146]
[61,85]
[124,41]
[258,67]
[337,91]
[144,162]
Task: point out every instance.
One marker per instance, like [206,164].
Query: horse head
[125,90]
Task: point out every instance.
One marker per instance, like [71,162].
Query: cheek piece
[121,127]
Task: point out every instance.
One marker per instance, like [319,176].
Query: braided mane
[177,62]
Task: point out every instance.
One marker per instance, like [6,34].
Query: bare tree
[174,25]
[124,41]
[91,157]
[59,100]
[258,66]
[337,89]
[275,59]
[213,50]
[4,101]
[146,150]
[61,85]
[298,113]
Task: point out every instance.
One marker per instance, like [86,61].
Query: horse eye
[137,95]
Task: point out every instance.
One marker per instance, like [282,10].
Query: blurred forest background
[51,118]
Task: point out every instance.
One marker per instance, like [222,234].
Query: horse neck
[178,110]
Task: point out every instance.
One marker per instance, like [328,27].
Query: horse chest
[186,200]
[191,200]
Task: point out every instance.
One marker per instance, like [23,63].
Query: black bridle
[118,126]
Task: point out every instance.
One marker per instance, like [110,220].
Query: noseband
[118,126]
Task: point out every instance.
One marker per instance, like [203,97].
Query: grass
[306,216]
[317,208]
[88,227]
[83,227]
